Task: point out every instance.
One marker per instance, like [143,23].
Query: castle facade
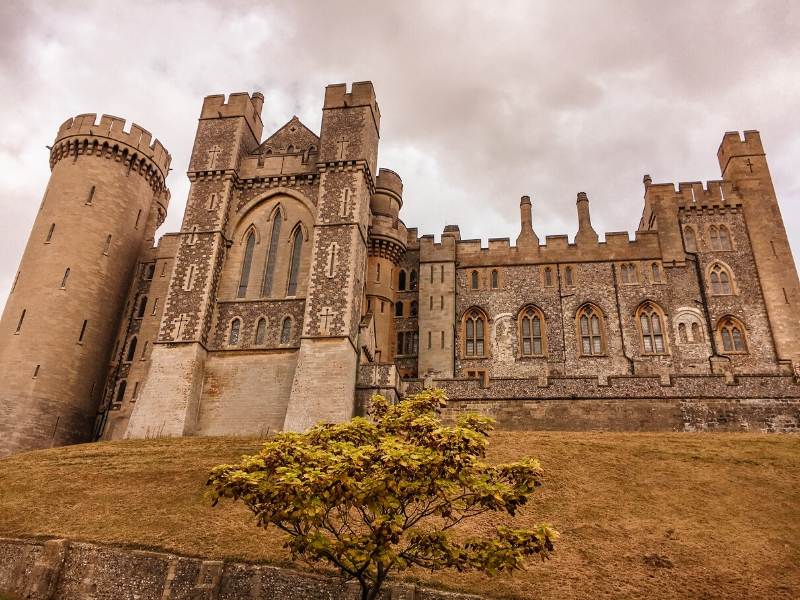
[294,290]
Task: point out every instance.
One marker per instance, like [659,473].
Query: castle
[293,291]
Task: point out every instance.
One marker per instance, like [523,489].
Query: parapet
[693,194]
[390,181]
[733,145]
[113,128]
[239,104]
[361,94]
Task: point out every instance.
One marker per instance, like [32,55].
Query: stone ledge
[39,569]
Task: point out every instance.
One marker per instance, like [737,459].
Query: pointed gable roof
[293,133]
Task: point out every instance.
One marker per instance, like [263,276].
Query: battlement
[390,181]
[113,128]
[362,93]
[239,104]
[733,145]
[694,194]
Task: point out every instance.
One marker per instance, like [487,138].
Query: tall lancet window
[272,254]
[294,267]
[246,264]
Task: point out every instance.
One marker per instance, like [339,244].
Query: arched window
[682,335]
[732,335]
[233,336]
[721,280]
[724,238]
[697,333]
[142,307]
[250,245]
[689,239]
[656,273]
[495,279]
[629,273]
[286,330]
[261,332]
[713,237]
[591,331]
[569,279]
[474,333]
[401,280]
[651,328]
[131,349]
[474,282]
[398,309]
[290,149]
[414,308]
[121,390]
[412,284]
[531,332]
[272,253]
[548,277]
[294,267]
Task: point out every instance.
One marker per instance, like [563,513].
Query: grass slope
[641,515]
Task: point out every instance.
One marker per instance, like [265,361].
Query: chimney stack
[586,234]
[526,235]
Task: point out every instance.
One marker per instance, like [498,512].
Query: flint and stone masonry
[293,291]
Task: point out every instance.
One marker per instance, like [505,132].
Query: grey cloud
[481,102]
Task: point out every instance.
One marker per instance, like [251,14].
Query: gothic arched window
[246,264]
[629,273]
[495,279]
[474,333]
[724,239]
[591,331]
[548,277]
[689,239]
[656,271]
[401,280]
[294,266]
[412,283]
[732,335]
[286,330]
[531,332]
[236,328]
[398,309]
[414,308]
[569,278]
[261,332]
[721,280]
[272,253]
[651,328]
[474,280]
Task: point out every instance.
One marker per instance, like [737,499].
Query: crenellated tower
[105,198]
[325,377]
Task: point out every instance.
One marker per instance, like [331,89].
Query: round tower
[388,237]
[103,203]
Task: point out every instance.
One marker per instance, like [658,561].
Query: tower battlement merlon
[733,145]
[239,104]
[112,129]
[362,93]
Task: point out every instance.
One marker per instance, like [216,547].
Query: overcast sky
[481,102]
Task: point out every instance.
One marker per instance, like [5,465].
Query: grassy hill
[641,515]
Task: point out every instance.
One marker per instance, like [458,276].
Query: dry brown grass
[641,515]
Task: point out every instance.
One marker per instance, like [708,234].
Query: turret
[104,200]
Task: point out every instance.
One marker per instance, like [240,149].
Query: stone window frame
[401,280]
[656,267]
[715,242]
[600,314]
[730,324]
[477,314]
[413,308]
[694,238]
[494,279]
[628,268]
[259,320]
[141,307]
[295,263]
[230,343]
[288,341]
[130,351]
[413,280]
[688,317]
[398,309]
[725,269]
[474,280]
[251,234]
[531,311]
[570,276]
[548,282]
[653,312]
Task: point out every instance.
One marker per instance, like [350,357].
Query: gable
[293,134]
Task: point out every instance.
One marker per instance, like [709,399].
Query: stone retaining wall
[64,570]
